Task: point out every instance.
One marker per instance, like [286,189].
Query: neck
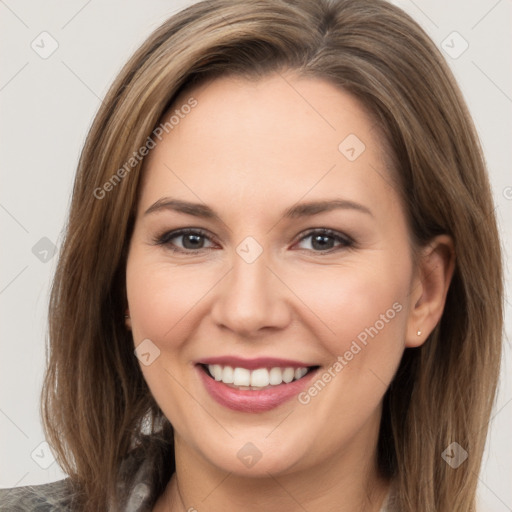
[345,482]
[277,494]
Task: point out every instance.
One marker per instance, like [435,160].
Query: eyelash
[165,238]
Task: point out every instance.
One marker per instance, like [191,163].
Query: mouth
[254,385]
[258,379]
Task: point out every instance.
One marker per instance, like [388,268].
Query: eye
[189,240]
[193,240]
[325,240]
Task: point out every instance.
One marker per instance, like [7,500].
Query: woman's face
[258,290]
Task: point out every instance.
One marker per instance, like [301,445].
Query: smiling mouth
[257,379]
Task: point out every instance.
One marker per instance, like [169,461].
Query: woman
[281,284]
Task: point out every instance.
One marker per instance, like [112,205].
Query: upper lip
[252,364]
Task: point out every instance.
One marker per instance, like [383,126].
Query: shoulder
[53,497]
[143,474]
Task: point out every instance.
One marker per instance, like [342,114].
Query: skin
[249,150]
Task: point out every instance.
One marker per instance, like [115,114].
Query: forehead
[276,138]
[276,109]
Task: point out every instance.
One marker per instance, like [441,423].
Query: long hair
[96,406]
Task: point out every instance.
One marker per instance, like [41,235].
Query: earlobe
[428,294]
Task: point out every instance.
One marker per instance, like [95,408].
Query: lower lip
[253,401]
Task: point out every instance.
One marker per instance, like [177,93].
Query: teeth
[227,375]
[276,376]
[288,375]
[259,378]
[241,377]
[300,372]
[216,371]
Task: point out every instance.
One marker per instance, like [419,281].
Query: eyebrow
[296,211]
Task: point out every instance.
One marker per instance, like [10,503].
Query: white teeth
[276,376]
[217,372]
[227,375]
[241,377]
[259,378]
[288,375]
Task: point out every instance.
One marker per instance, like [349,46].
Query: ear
[429,288]
[127,319]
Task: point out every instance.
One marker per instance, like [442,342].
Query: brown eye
[192,241]
[324,240]
[184,240]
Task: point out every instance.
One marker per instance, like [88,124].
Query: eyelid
[326,232]
[164,238]
[346,242]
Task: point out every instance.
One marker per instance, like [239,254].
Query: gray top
[57,497]
[140,478]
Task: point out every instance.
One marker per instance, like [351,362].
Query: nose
[251,298]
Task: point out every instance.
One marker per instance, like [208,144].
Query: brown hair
[96,405]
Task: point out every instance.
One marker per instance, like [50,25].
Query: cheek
[357,306]
[365,310]
[161,299]
[164,298]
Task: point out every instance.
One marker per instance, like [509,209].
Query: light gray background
[47,108]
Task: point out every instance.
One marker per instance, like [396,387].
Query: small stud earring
[127,316]
[419,333]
